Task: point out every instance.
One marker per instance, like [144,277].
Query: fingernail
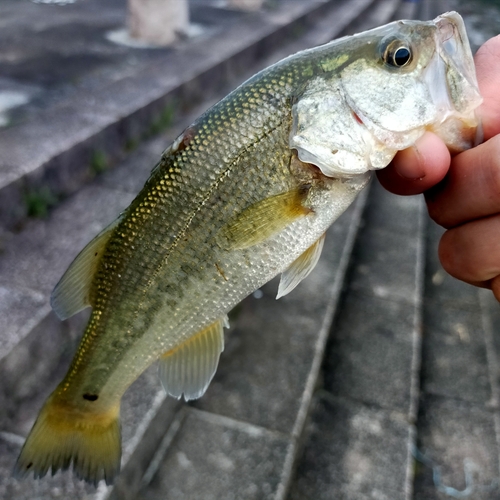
[411,164]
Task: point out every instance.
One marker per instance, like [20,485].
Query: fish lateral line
[209,193]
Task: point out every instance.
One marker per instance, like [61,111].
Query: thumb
[487,60]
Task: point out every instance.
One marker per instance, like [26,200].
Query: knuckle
[492,169]
[455,256]
[495,287]
[445,253]
[437,210]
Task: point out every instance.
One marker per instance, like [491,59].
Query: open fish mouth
[455,43]
[457,101]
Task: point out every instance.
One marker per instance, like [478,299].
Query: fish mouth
[458,98]
[454,42]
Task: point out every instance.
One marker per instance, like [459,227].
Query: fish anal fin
[188,368]
[60,437]
[71,294]
[300,268]
[265,218]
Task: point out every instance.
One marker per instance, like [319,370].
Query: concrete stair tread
[264,430]
[32,262]
[371,365]
[56,149]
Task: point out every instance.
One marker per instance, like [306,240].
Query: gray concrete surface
[370,390]
[458,418]
[31,263]
[326,393]
[105,98]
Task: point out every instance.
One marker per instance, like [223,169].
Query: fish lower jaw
[344,164]
[459,134]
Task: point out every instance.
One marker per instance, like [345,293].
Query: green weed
[98,162]
[39,201]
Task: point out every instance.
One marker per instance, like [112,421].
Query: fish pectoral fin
[266,218]
[71,294]
[189,368]
[300,268]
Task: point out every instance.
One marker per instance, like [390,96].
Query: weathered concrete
[238,461]
[370,356]
[159,22]
[354,452]
[30,265]
[91,126]
[245,4]
[361,433]
[455,344]
[456,435]
[459,412]
[243,438]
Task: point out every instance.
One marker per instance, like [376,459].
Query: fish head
[381,90]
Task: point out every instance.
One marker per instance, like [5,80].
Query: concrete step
[458,422]
[87,127]
[458,426]
[253,418]
[35,348]
[359,439]
[240,439]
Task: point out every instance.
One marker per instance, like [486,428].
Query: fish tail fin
[62,436]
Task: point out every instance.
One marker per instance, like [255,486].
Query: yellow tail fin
[63,435]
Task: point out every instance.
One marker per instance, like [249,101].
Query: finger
[487,60]
[417,168]
[495,287]
[471,252]
[471,189]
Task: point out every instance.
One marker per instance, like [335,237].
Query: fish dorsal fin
[71,294]
[300,268]
[188,368]
[266,218]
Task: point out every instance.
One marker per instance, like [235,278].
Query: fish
[243,194]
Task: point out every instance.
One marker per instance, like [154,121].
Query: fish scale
[189,201]
[245,193]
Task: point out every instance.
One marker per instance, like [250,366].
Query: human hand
[462,193]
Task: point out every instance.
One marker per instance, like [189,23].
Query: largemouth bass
[245,193]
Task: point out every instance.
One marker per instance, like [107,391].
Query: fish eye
[397,54]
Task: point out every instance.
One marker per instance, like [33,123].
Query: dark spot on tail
[29,465]
[90,397]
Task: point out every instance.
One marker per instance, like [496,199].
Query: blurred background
[377,378]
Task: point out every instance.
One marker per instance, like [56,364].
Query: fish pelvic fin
[72,293]
[62,436]
[266,218]
[189,368]
[300,268]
